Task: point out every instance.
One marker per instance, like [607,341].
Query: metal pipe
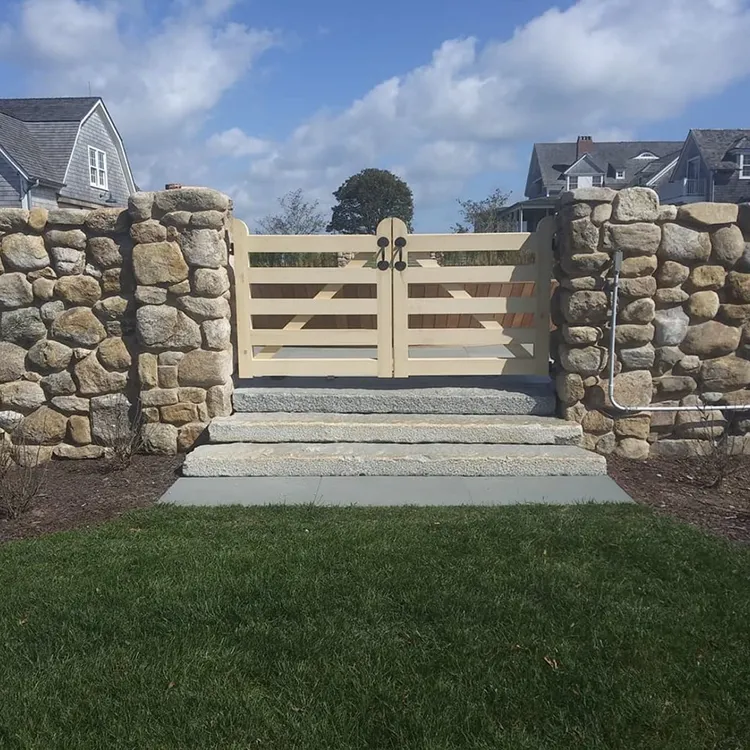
[611,388]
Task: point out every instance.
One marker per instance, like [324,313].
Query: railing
[685,188]
[695,187]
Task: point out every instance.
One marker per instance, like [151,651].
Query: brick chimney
[584,145]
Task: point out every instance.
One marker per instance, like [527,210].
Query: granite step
[285,427]
[402,397]
[369,459]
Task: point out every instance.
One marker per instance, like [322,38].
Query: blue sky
[259,98]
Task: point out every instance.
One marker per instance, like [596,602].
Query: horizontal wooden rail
[470,306]
[315,337]
[472,275]
[469,243]
[472,366]
[315,243]
[470,336]
[312,367]
[272,306]
[313,275]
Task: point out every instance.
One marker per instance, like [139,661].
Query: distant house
[713,165]
[61,152]
[558,167]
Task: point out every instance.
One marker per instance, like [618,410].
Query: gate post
[181,269]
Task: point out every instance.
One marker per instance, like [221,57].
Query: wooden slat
[243,320]
[386,309]
[315,337]
[470,336]
[345,275]
[400,320]
[317,368]
[314,243]
[544,234]
[486,305]
[317,306]
[466,243]
[472,366]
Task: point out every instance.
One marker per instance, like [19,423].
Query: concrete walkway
[393,491]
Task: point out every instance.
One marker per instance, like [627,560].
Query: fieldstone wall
[180,264]
[683,326]
[105,314]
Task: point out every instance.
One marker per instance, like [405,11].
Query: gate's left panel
[311,305]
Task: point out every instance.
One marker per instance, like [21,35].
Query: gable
[689,151]
[95,132]
[584,166]
[98,126]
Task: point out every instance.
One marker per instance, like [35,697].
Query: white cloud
[234,142]
[600,67]
[159,78]
[603,67]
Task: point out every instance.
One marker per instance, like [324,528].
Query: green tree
[484,215]
[367,198]
[297,216]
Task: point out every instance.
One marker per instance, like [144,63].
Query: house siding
[43,197]
[729,188]
[10,185]
[94,132]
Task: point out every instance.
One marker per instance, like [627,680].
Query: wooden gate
[393,304]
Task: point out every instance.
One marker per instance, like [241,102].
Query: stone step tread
[282,427]
[378,459]
[536,399]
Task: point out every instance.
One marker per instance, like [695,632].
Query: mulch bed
[78,494]
[86,493]
[687,489]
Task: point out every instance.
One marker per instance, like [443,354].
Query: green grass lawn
[526,627]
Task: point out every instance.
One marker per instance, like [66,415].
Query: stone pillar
[185,360]
[682,338]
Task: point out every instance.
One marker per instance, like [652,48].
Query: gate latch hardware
[400,264]
[383,264]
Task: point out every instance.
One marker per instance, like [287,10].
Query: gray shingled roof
[714,144]
[48,110]
[22,147]
[556,158]
[56,140]
[39,134]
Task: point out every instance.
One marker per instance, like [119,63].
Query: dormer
[585,172]
[646,155]
[739,155]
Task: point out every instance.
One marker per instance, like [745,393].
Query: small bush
[22,476]
[123,439]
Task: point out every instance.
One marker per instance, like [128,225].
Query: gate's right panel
[472,304]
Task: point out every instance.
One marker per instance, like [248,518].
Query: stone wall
[109,313]
[683,325]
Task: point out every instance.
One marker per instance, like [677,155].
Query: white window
[572,183]
[597,180]
[620,174]
[97,168]
[646,155]
[744,162]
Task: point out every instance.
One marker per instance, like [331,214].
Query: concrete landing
[388,460]
[394,491]
[392,428]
